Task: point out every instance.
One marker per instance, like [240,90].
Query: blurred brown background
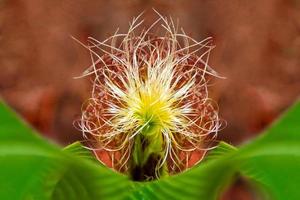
[258,50]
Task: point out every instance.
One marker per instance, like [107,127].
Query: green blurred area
[33,168]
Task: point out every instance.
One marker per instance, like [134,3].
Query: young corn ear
[149,115]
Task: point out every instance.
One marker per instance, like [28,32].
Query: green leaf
[221,150]
[76,149]
[24,159]
[32,168]
[273,159]
[84,179]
